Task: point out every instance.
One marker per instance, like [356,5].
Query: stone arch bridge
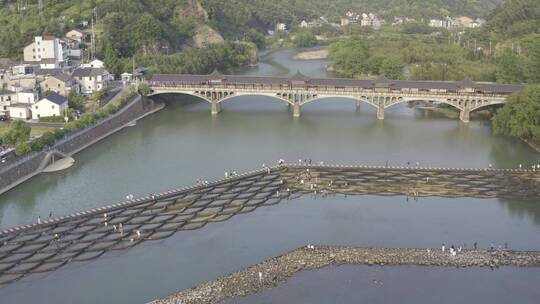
[298,90]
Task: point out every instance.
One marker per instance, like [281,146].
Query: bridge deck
[87,235]
[381,82]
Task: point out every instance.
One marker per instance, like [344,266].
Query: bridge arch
[319,98]
[453,103]
[255,94]
[181,93]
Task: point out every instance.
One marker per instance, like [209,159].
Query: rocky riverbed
[269,273]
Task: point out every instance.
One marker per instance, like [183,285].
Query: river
[184,142]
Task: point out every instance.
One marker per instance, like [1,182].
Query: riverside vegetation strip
[271,272]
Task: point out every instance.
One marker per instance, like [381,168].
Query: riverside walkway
[298,90]
[49,244]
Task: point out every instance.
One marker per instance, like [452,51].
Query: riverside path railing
[52,243]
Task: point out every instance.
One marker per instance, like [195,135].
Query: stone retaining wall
[22,169]
[271,272]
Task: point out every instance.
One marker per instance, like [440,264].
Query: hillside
[146,26]
[515,19]
[236,17]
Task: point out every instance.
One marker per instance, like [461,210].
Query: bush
[51,119]
[22,148]
[144,89]
[37,144]
[59,133]
[48,138]
[19,131]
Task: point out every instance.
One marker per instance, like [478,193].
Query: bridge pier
[216,107]
[380,111]
[358,105]
[464,115]
[297,110]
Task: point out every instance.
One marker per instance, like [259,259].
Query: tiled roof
[86,72]
[56,98]
[44,72]
[62,77]
[343,82]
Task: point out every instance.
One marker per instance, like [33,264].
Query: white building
[22,69]
[435,23]
[96,63]
[126,78]
[20,111]
[91,80]
[27,97]
[52,105]
[281,27]
[6,99]
[48,52]
[77,36]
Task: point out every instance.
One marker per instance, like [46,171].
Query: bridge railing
[334,91]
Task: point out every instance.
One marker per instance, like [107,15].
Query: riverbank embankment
[270,273]
[13,174]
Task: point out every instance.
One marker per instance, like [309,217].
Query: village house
[49,52]
[350,18]
[52,105]
[402,20]
[27,96]
[96,63]
[60,83]
[21,82]
[477,23]
[91,80]
[20,111]
[76,36]
[281,27]
[311,24]
[459,22]
[6,99]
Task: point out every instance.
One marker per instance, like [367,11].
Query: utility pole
[40,5]
[93,46]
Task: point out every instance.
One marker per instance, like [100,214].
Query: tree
[48,138]
[305,39]
[532,66]
[350,56]
[392,68]
[76,101]
[19,131]
[22,148]
[509,68]
[112,61]
[146,31]
[144,89]
[520,116]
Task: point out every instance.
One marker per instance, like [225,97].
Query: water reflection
[363,284]
[184,142]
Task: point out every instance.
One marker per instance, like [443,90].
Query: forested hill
[238,16]
[515,19]
[126,25]
[149,25]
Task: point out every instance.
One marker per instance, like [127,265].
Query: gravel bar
[271,272]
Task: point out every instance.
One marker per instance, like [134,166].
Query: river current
[184,142]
